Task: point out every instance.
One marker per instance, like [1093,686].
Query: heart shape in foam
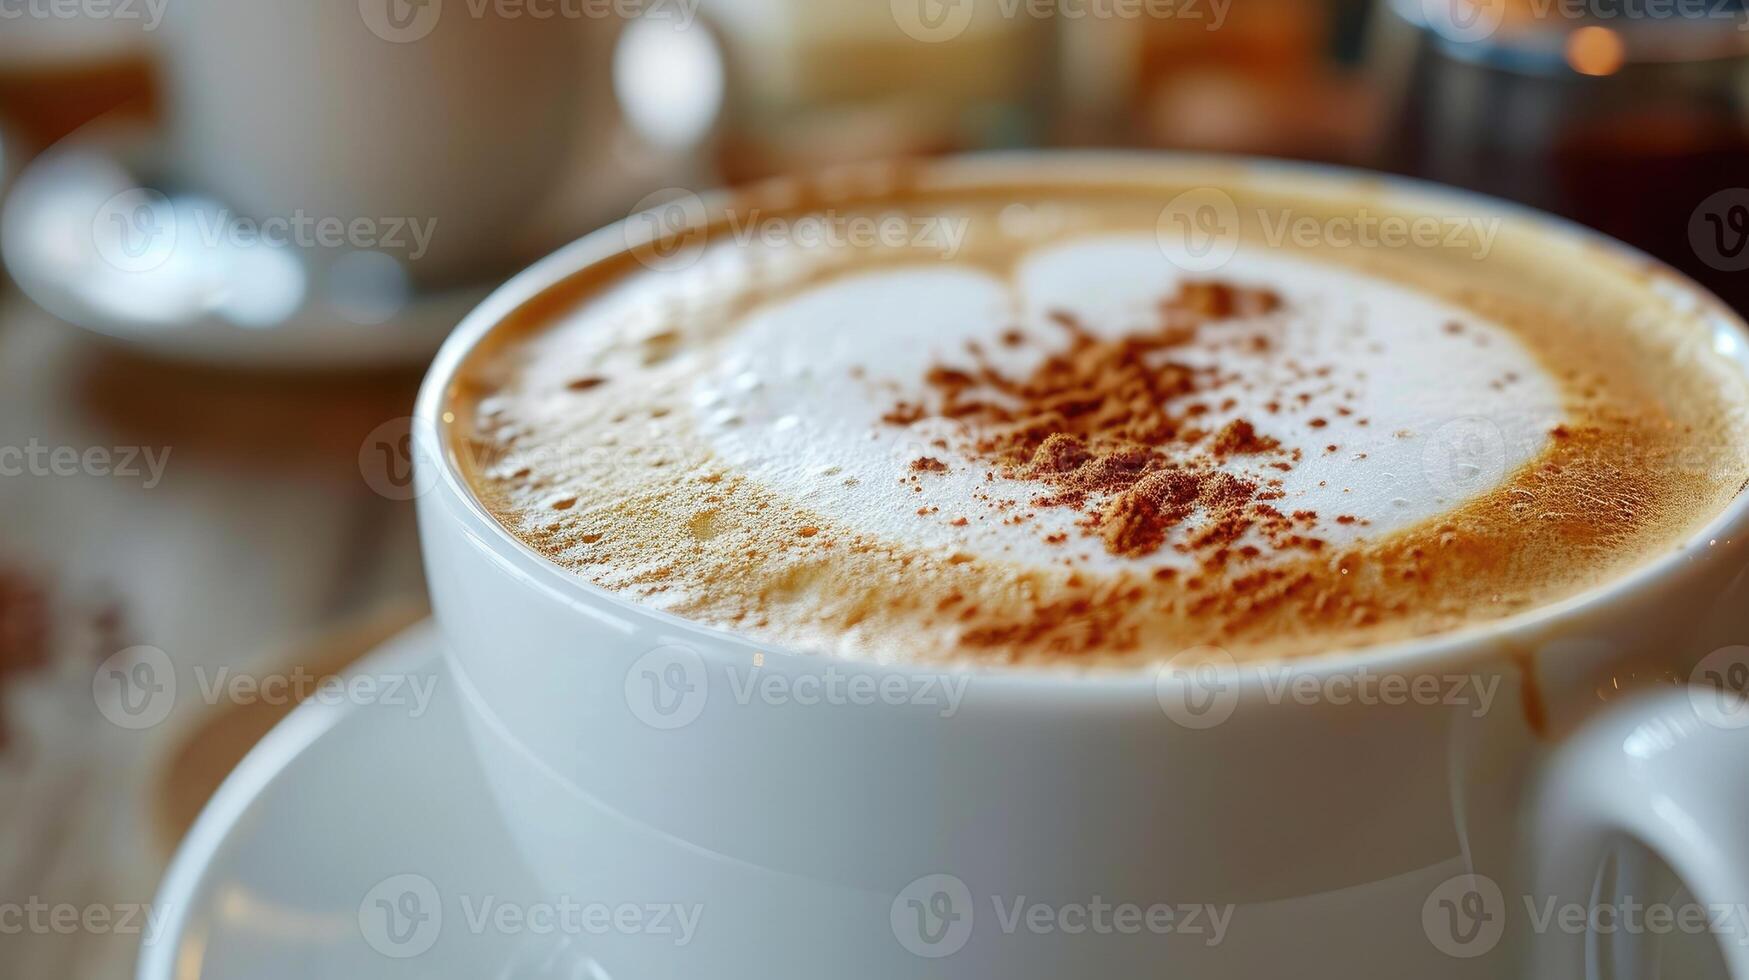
[1389,405]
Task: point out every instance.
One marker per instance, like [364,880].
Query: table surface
[244,528]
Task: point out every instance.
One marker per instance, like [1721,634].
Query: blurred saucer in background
[97,231]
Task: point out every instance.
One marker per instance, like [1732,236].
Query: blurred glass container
[810,84]
[1267,77]
[1628,117]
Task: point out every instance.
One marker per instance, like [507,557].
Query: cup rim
[1410,655]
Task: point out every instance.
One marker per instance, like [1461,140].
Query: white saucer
[91,238]
[344,811]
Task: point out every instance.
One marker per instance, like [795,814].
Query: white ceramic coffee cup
[1219,827]
[454,119]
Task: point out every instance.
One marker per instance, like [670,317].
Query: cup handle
[1670,771]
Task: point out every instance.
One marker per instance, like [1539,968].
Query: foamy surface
[720,439]
[1423,415]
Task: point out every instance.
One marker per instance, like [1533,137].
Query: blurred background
[234,231]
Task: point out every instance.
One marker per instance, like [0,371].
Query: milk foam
[1441,404]
[1446,437]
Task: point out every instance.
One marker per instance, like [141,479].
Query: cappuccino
[1099,414]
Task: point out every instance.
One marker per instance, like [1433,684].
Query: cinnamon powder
[1108,426]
